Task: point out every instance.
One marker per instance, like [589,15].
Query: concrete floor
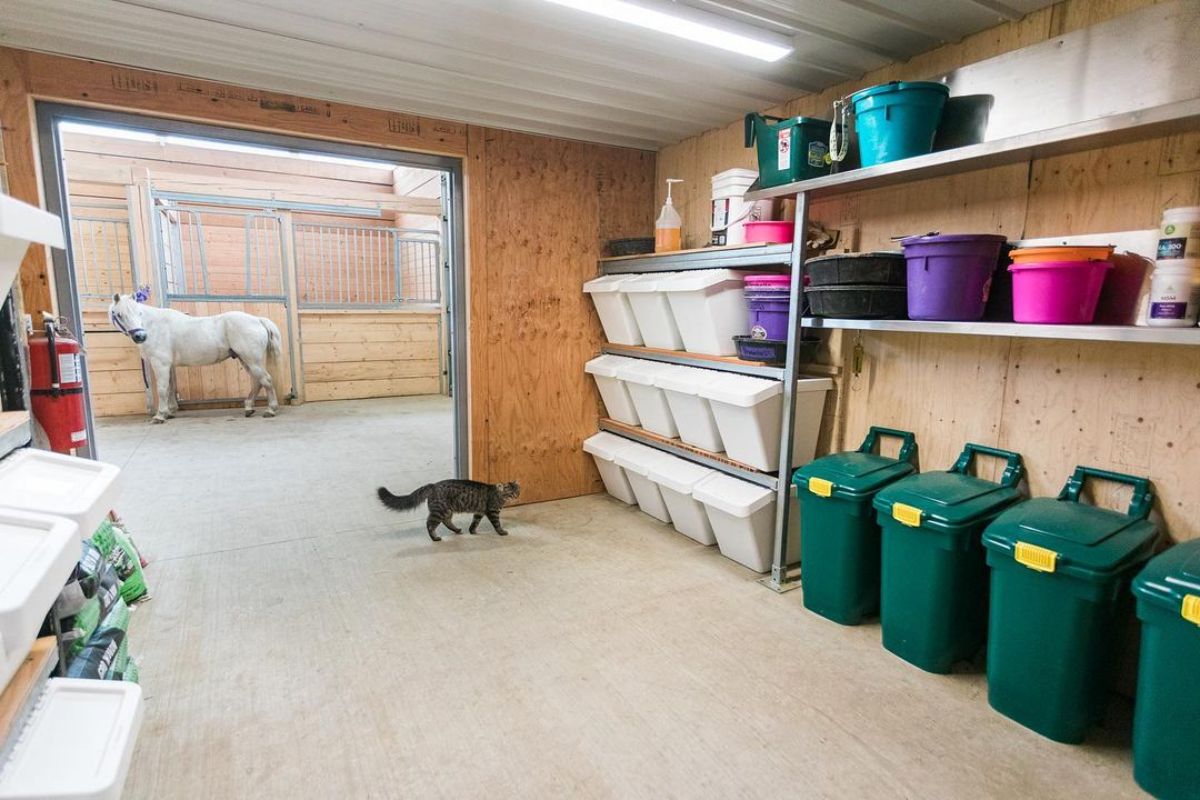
[305,643]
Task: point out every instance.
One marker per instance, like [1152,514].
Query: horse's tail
[404,502]
[274,348]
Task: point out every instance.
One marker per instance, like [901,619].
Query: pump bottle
[668,230]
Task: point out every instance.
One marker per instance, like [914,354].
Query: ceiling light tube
[691,24]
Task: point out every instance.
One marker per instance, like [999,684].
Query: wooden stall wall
[1125,407]
[348,355]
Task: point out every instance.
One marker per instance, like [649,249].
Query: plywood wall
[349,355]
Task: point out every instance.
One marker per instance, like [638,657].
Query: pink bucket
[770,231]
[1057,292]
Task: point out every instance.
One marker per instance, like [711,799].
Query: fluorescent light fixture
[691,24]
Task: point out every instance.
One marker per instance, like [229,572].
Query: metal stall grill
[357,266]
[103,250]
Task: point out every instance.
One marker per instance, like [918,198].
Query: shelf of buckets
[69,575]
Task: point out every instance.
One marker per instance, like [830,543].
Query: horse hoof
[249,412]
[158,420]
[270,412]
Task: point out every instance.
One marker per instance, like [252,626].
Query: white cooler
[636,461]
[743,518]
[676,477]
[692,413]
[652,310]
[613,390]
[710,309]
[604,447]
[748,414]
[641,379]
[612,306]
[82,490]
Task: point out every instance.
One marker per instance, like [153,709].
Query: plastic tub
[604,448]
[692,412]
[747,412]
[648,299]
[949,276]
[770,232]
[789,149]
[82,490]
[709,308]
[882,268]
[613,391]
[676,478]
[1174,299]
[612,306]
[858,301]
[1057,292]
[641,379]
[964,121]
[1024,255]
[774,351]
[21,224]
[37,554]
[1179,236]
[767,299]
[742,515]
[897,120]
[636,460]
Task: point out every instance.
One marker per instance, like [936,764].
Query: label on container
[68,368]
[1168,310]
[1171,248]
[784,144]
[719,238]
[816,154]
[720,214]
[78,436]
[1179,240]
[758,332]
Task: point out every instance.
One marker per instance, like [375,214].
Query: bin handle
[908,446]
[749,123]
[1139,504]
[1013,470]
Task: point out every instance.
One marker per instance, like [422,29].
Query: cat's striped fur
[444,498]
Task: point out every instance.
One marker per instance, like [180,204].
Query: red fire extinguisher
[56,389]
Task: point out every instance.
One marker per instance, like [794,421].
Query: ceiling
[523,64]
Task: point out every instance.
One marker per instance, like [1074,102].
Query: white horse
[168,338]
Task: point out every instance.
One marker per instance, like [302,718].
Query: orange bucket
[1026,255]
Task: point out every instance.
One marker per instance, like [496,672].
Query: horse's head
[126,315]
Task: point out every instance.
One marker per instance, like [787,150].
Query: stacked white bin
[613,390]
[742,515]
[636,461]
[692,412]
[676,478]
[648,299]
[748,415]
[641,379]
[612,306]
[604,448]
[710,309]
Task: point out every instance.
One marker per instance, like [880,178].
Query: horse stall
[345,258]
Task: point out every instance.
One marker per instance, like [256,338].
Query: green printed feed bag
[105,656]
[119,550]
[87,598]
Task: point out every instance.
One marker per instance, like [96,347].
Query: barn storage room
[599,398]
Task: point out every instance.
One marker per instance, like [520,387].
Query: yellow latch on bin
[906,515]
[1035,557]
[1191,608]
[820,487]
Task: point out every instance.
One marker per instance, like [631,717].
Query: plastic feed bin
[635,461]
[20,225]
[82,490]
[676,478]
[603,448]
[1167,713]
[612,306]
[743,518]
[710,309]
[934,578]
[1059,568]
[691,411]
[613,390]
[652,310]
[840,550]
[640,378]
[748,415]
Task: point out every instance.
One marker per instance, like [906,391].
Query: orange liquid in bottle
[667,240]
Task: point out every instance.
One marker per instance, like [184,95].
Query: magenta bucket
[1057,292]
[767,298]
[949,276]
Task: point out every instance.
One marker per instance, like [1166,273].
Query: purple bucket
[767,300]
[949,276]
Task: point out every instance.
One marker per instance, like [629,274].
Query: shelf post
[779,580]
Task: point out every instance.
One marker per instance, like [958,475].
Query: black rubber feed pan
[842,269]
[631,247]
[858,302]
[774,351]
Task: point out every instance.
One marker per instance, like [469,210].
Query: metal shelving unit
[1092,333]
[725,364]
[750,256]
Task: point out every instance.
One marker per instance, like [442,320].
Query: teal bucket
[897,120]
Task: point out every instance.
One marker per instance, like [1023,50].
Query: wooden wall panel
[356,354]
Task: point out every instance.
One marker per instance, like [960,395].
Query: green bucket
[789,149]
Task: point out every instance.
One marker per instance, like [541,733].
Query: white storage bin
[612,306]
[613,391]
[641,379]
[692,413]
[636,461]
[37,553]
[604,447]
[743,518]
[710,309]
[676,477]
[652,310]
[748,414]
[76,744]
[82,490]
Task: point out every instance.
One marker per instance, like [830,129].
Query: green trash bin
[1167,714]
[789,149]
[839,551]
[933,598]
[1059,569]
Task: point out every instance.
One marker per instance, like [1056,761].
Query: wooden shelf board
[716,461]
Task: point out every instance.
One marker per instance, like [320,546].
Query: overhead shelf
[723,363]
[1106,131]
[737,257]
[1093,333]
[705,458]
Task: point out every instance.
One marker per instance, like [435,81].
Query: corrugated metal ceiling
[522,64]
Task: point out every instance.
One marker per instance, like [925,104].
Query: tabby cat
[446,497]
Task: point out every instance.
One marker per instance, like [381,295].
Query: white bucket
[612,306]
[636,462]
[676,478]
[747,412]
[742,515]
[710,309]
[692,413]
[730,211]
[613,391]
[641,379]
[604,448]
[652,311]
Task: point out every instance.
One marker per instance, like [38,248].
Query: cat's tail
[404,502]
